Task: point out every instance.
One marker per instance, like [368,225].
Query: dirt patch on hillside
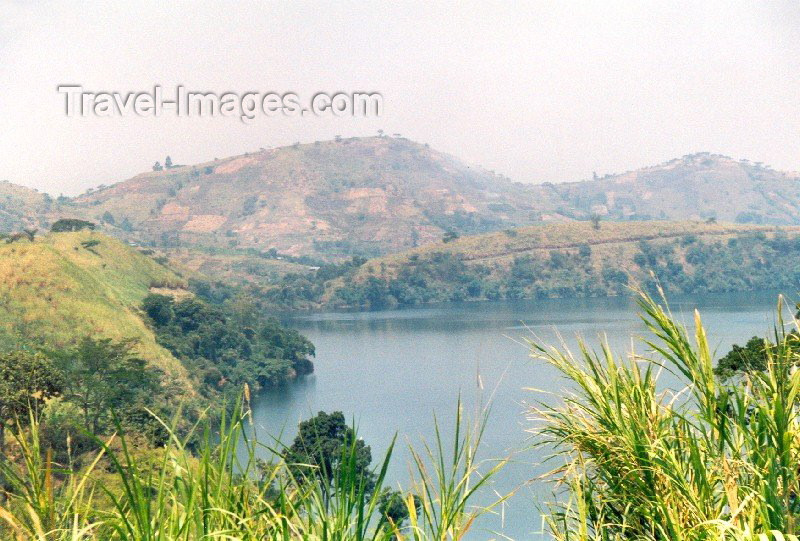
[205,223]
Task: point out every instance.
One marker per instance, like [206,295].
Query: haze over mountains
[378,195]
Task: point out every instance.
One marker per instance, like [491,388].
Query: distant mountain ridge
[377,195]
[353,196]
[696,186]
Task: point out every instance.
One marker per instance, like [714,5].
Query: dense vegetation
[684,263]
[631,460]
[223,349]
[221,489]
[717,461]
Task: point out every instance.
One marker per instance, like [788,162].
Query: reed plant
[635,457]
[220,489]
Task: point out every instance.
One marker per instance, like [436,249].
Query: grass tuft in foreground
[712,460]
[222,491]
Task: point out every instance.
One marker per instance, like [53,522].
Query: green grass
[710,460]
[221,492]
[613,239]
[54,290]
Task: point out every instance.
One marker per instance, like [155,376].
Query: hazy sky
[539,91]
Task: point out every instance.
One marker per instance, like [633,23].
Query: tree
[70,224]
[102,375]
[323,448]
[449,236]
[109,218]
[393,508]
[750,358]
[595,218]
[157,167]
[168,163]
[26,379]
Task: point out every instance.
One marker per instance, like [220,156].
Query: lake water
[390,371]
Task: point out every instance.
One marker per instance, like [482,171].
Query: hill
[328,199]
[377,195]
[697,186]
[22,207]
[67,285]
[563,260]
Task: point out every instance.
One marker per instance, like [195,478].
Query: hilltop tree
[26,380]
[157,167]
[65,225]
[168,163]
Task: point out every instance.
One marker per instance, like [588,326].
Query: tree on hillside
[323,448]
[101,376]
[595,218]
[26,380]
[168,163]
[70,224]
[157,167]
[109,218]
[449,236]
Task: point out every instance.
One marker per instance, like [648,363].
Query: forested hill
[560,260]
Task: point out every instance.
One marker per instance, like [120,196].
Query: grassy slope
[54,290]
[612,239]
[231,266]
[613,245]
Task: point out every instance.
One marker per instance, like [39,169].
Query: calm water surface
[390,371]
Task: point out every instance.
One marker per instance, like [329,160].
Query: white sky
[538,91]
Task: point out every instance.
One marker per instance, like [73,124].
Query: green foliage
[222,491]
[685,264]
[101,375]
[70,224]
[323,447]
[222,348]
[752,357]
[717,461]
[449,236]
[26,381]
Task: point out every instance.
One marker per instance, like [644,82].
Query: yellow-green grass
[238,268]
[56,289]
[617,239]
